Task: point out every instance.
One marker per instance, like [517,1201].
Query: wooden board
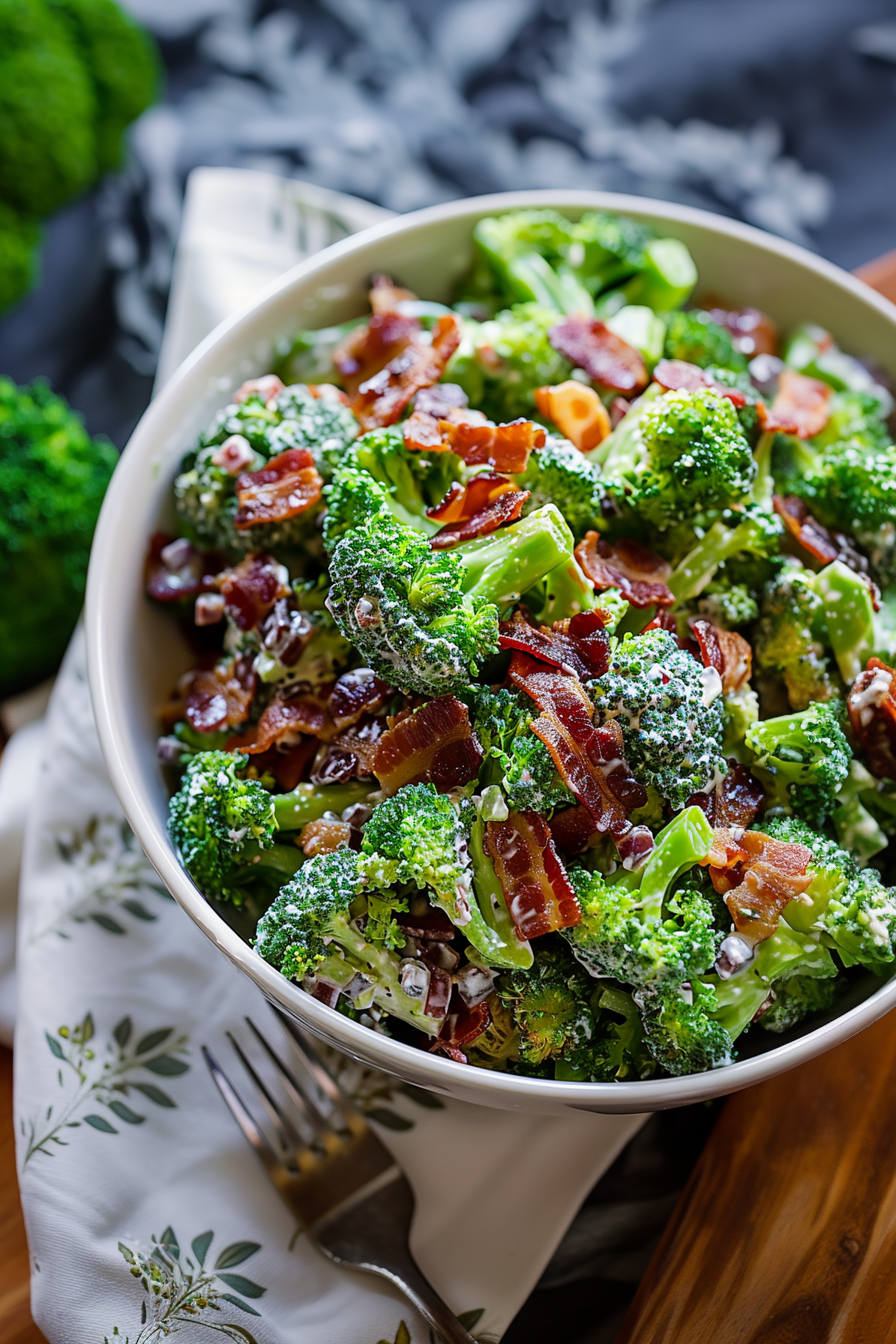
[16,1325]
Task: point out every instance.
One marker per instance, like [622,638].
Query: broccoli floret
[727,605]
[853,488]
[551,1006]
[427,620]
[802,760]
[812,350]
[316,912]
[52,480]
[633,928]
[788,952]
[514,757]
[526,252]
[786,639]
[558,473]
[407,483]
[848,903]
[694,337]
[679,1029]
[615,1051]
[205,495]
[698,458]
[670,712]
[855,416]
[858,829]
[795,999]
[500,363]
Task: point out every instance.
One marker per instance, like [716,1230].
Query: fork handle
[404,1273]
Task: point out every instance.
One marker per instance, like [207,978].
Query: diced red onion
[209,609]
[474,984]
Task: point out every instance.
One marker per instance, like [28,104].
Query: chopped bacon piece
[442,401]
[422,434]
[461,1028]
[726,651]
[676,375]
[463,501]
[577,748]
[753,332]
[288,765]
[801,406]
[284,720]
[176,570]
[604,356]
[433,745]
[323,837]
[432,926]
[385,295]
[579,645]
[638,572]
[381,398]
[288,485]
[536,888]
[823,543]
[572,828]
[577,411]
[758,877]
[251,588]
[663,620]
[506,507]
[217,698]
[285,632]
[438,996]
[267,387]
[357,693]
[872,713]
[367,349]
[503,447]
[735,801]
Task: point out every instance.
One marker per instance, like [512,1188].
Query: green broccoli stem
[764,485]
[503,566]
[384,969]
[785,953]
[691,575]
[280,860]
[684,842]
[849,617]
[564,592]
[309,802]
[526,273]
[623,451]
[491,930]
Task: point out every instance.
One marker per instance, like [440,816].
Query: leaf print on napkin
[106,871]
[184,1289]
[104,1076]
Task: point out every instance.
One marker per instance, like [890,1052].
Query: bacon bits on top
[433,745]
[578,646]
[577,411]
[251,588]
[502,447]
[823,543]
[357,693]
[286,486]
[605,357]
[726,651]
[534,881]
[381,397]
[639,573]
[677,375]
[284,720]
[368,348]
[735,801]
[505,507]
[218,698]
[872,714]
[758,876]
[176,570]
[801,406]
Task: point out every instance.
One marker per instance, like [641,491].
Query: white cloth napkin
[122,1137]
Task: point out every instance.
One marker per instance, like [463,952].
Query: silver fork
[344,1187]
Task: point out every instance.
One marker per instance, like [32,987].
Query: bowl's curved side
[134,653]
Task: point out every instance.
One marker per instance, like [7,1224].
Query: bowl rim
[490,1087]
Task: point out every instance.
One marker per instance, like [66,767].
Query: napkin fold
[147,1213]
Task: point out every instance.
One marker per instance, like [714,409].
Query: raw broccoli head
[52,480]
[679,1030]
[849,903]
[558,473]
[216,818]
[802,760]
[500,363]
[205,495]
[411,481]
[670,712]
[551,1006]
[795,999]
[514,757]
[417,836]
[852,487]
[786,639]
[309,910]
[699,458]
[695,338]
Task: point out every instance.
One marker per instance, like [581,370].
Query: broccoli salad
[543,707]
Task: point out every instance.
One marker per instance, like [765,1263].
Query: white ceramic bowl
[135,653]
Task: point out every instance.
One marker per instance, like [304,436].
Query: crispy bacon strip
[385,295]
[823,543]
[735,801]
[572,828]
[579,645]
[726,651]
[283,721]
[381,398]
[758,877]
[357,693]
[538,893]
[503,447]
[604,356]
[754,332]
[461,1028]
[367,349]
[638,572]
[677,375]
[442,401]
[176,570]
[504,508]
[577,748]
[251,588]
[801,406]
[464,501]
[872,713]
[288,485]
[433,745]
[217,698]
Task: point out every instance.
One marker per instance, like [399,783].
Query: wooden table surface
[786,1233]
